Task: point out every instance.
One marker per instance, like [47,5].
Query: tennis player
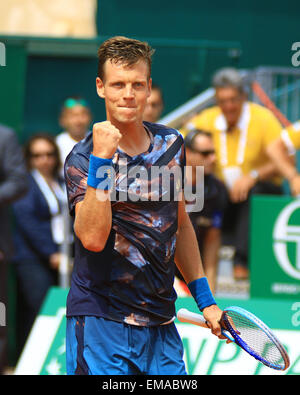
[120,307]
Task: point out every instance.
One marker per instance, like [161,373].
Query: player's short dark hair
[123,50]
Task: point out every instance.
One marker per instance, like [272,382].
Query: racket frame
[240,342]
[230,333]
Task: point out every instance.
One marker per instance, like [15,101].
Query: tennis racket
[248,332]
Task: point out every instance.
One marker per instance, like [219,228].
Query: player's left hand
[213,315]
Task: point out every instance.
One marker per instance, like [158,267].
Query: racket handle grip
[185,315]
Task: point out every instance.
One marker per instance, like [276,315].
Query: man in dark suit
[13,183]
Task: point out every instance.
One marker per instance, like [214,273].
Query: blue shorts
[97,346]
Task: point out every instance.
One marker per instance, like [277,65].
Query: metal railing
[281,84]
[179,116]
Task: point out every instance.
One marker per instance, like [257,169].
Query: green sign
[45,351]
[275,247]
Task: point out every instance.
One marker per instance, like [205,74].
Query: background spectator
[13,184]
[282,151]
[242,131]
[155,105]
[207,223]
[39,228]
[75,119]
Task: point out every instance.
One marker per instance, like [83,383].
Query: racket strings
[256,339]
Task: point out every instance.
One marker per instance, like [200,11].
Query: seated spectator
[282,151]
[75,119]
[155,105]
[13,185]
[38,227]
[207,223]
[242,131]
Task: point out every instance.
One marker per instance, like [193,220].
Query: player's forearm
[93,219]
[189,263]
[187,256]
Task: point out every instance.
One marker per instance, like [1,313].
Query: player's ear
[100,87]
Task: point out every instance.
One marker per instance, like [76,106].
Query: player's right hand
[106,139]
[213,315]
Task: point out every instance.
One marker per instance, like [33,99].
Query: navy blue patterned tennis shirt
[131,279]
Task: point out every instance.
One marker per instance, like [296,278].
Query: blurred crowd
[241,147]
[68,18]
[32,185]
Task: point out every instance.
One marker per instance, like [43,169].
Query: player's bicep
[181,209]
[183,217]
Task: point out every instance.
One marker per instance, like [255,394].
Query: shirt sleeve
[201,121]
[291,137]
[271,127]
[76,174]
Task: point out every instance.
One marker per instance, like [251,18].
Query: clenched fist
[106,139]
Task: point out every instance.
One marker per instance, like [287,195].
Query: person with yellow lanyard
[242,130]
[282,152]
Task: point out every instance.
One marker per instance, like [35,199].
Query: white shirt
[65,144]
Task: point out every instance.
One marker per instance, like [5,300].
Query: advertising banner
[275,248]
[204,354]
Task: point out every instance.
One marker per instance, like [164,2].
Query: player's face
[125,90]
[76,121]
[43,157]
[154,106]
[230,100]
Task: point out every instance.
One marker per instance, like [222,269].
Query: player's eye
[138,84]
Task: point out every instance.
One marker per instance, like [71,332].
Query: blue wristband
[201,292]
[100,173]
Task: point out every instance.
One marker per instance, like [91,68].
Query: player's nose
[128,91]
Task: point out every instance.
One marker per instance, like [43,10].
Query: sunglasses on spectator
[41,154]
[206,152]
